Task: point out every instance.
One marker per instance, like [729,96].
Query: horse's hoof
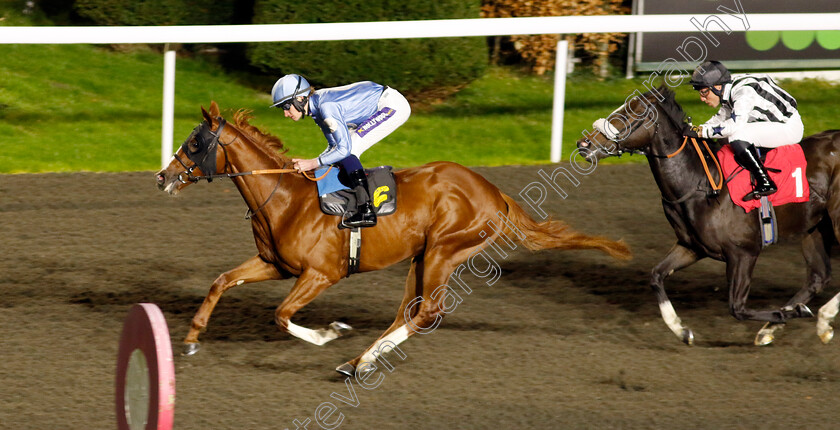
[346,369]
[804,311]
[340,328]
[191,348]
[764,339]
[766,335]
[799,310]
[688,336]
[827,335]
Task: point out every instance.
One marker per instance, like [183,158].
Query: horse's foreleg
[309,285]
[678,258]
[252,270]
[413,289]
[825,317]
[815,249]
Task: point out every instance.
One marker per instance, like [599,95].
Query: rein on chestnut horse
[209,141]
[210,152]
[252,172]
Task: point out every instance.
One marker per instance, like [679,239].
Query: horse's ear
[206,115]
[214,109]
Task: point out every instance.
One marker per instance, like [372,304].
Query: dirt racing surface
[562,340]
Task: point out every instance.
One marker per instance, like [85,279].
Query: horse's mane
[669,105]
[241,117]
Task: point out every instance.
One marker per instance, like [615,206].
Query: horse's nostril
[161,179]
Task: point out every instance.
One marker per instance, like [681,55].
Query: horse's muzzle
[166,183]
[161,180]
[586,150]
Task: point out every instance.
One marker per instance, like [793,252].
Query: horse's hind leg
[413,289]
[829,311]
[739,268]
[309,285]
[815,249]
[252,270]
[423,313]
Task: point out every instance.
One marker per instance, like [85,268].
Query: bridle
[210,153]
[634,126]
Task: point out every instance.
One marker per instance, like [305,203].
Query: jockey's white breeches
[771,134]
[392,112]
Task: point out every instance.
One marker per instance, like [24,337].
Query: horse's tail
[554,234]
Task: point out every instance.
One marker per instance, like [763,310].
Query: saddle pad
[383,190]
[330,183]
[789,175]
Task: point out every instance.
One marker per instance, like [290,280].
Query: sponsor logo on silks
[375,119]
[379,195]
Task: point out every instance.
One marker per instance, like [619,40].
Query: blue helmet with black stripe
[287,89]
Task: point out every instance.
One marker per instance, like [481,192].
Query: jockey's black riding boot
[747,156]
[364,216]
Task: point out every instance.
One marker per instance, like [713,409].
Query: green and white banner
[725,34]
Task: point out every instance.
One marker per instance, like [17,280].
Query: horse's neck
[247,156]
[679,175]
[258,190]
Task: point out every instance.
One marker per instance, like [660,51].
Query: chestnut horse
[708,224]
[444,213]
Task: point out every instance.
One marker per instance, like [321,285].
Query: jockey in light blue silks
[353,118]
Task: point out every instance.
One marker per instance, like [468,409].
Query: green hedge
[420,68]
[156,12]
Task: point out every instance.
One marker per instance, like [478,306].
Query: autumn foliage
[538,51]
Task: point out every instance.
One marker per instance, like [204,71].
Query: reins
[260,172]
[250,213]
[676,122]
[715,187]
[217,140]
[685,140]
[208,178]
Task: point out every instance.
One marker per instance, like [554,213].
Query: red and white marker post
[145,397]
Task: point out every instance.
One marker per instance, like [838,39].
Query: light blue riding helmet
[287,88]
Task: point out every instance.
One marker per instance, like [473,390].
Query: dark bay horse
[447,214]
[710,225]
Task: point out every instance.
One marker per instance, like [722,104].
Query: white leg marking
[396,337]
[825,317]
[671,318]
[316,337]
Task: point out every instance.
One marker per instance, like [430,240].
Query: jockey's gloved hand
[691,130]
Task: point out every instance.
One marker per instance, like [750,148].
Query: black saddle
[383,194]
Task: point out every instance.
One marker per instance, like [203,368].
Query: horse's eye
[194,146]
